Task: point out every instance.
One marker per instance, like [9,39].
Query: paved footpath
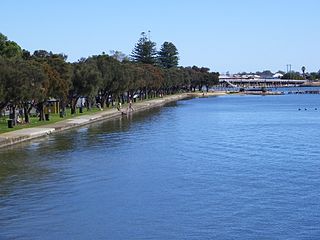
[13,137]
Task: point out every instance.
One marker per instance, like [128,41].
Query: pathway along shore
[22,135]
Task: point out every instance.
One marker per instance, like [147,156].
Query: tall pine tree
[168,55]
[144,51]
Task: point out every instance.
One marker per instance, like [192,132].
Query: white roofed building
[277,75]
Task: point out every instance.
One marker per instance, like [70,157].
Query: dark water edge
[232,167]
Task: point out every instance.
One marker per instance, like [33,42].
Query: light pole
[289,70]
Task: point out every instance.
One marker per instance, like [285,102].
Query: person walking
[130,108]
[119,106]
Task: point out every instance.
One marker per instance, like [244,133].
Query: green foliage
[118,55]
[58,71]
[23,81]
[144,51]
[293,75]
[9,49]
[28,80]
[85,80]
[168,55]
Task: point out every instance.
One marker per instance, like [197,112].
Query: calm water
[233,167]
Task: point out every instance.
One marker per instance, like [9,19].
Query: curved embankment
[14,137]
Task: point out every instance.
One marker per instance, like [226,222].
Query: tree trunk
[26,114]
[112,100]
[13,115]
[88,104]
[146,93]
[107,102]
[74,105]
[103,101]
[41,111]
[128,97]
[122,99]
[104,98]
[73,110]
[62,109]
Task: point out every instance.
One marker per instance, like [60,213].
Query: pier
[259,82]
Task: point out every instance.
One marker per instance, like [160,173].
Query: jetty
[259,82]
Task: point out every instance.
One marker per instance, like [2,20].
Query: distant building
[225,76]
[277,75]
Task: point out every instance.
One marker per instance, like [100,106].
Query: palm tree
[303,71]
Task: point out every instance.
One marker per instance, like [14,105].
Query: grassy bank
[54,118]
[34,121]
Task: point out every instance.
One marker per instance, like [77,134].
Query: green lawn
[34,121]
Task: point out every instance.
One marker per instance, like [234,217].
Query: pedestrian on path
[119,106]
[130,108]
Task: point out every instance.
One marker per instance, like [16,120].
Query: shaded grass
[34,121]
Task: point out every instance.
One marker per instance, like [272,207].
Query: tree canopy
[9,49]
[293,75]
[144,51]
[168,55]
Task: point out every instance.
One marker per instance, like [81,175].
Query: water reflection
[40,159]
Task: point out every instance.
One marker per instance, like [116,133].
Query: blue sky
[224,35]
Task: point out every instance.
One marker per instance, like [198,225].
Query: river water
[230,167]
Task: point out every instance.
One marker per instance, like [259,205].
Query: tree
[144,51]
[132,75]
[303,69]
[59,73]
[9,49]
[153,77]
[292,75]
[23,81]
[35,85]
[118,55]
[4,68]
[85,82]
[28,80]
[312,76]
[168,55]
[109,69]
[174,80]
[11,81]
[265,74]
